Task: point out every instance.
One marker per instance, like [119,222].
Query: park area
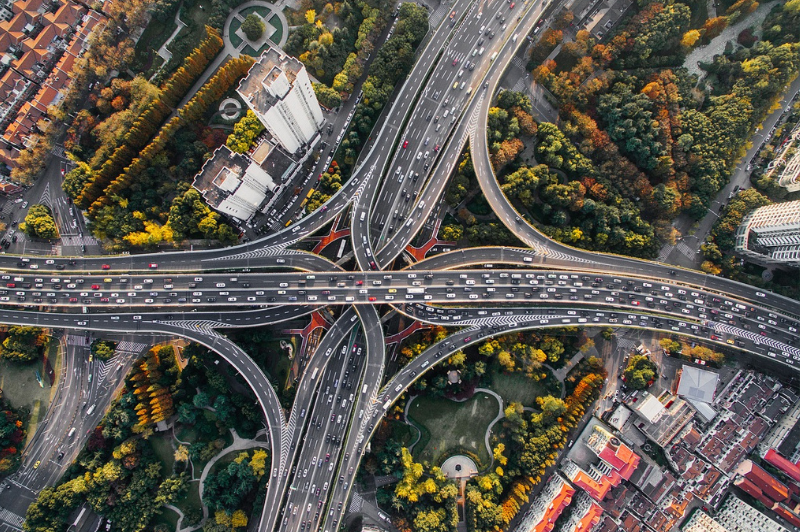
[450,427]
[21,389]
[518,388]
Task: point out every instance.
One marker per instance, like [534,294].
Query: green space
[235,39]
[167,518]
[191,501]
[223,461]
[20,389]
[154,36]
[162,446]
[517,388]
[479,206]
[452,426]
[275,21]
[402,433]
[261,10]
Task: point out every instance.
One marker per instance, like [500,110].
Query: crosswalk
[684,248]
[74,339]
[130,347]
[10,518]
[58,151]
[356,502]
[271,251]
[437,16]
[518,62]
[78,241]
[502,320]
[666,249]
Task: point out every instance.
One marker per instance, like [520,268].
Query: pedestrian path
[130,347]
[356,502]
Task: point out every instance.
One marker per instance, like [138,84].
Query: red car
[455,62]
[153,265]
[372,298]
[436,148]
[405,144]
[635,303]
[512,5]
[359,283]
[106,267]
[95,287]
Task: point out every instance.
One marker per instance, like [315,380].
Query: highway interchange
[317,445]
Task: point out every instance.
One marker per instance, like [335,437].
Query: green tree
[24,344]
[253,27]
[103,349]
[39,222]
[639,372]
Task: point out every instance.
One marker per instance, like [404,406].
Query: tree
[327,96]
[103,349]
[24,344]
[640,372]
[690,38]
[39,222]
[245,132]
[253,27]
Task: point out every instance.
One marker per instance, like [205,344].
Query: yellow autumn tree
[310,16]
[690,38]
[238,519]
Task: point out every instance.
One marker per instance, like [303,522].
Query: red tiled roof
[771,486]
[42,40]
[554,509]
[591,518]
[784,512]
[774,458]
[752,490]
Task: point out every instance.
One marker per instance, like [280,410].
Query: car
[761,294]
[105,267]
[60,456]
[152,265]
[95,287]
[37,464]
[467,339]
[373,298]
[455,61]
[405,145]
[436,148]
[512,5]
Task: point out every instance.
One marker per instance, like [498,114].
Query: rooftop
[698,384]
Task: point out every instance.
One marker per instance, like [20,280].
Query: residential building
[278,90]
[771,234]
[617,462]
[697,384]
[585,514]
[702,522]
[738,516]
[548,506]
[233,184]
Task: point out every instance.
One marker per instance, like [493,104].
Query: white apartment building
[771,234]
[738,516]
[702,522]
[279,92]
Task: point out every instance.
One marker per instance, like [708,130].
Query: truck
[415,290]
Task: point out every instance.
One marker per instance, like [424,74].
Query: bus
[308,196]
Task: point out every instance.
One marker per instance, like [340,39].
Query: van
[361,218]
[494,55]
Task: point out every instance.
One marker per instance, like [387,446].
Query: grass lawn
[276,22]
[22,391]
[402,433]
[452,426]
[166,517]
[162,445]
[155,34]
[278,364]
[186,434]
[517,388]
[261,10]
[192,498]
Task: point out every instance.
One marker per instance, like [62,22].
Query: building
[697,384]
[278,90]
[761,484]
[662,418]
[617,462]
[771,234]
[548,506]
[233,184]
[737,516]
[649,407]
[585,515]
[702,522]
[791,470]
